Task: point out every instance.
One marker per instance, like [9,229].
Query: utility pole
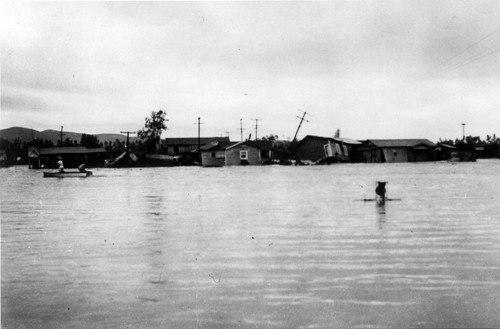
[300,124]
[128,132]
[463,131]
[199,138]
[241,129]
[62,135]
[256,126]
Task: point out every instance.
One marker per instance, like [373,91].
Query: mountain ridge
[28,134]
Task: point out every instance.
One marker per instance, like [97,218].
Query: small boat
[63,174]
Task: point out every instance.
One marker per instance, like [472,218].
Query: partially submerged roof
[249,143]
[336,139]
[451,147]
[347,141]
[194,140]
[401,142]
[70,150]
[215,145]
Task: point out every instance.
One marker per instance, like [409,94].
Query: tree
[151,133]
[270,138]
[89,141]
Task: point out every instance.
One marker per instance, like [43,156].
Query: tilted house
[317,148]
[397,150]
[182,145]
[218,154]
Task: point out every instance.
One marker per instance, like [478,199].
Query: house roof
[401,142]
[451,147]
[347,141]
[337,139]
[249,143]
[263,145]
[70,150]
[194,140]
[215,145]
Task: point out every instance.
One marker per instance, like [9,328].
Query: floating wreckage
[125,160]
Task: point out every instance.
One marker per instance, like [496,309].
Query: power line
[449,64]
[475,58]
[472,45]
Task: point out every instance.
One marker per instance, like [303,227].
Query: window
[243,155]
[328,150]
[213,155]
[346,151]
[337,149]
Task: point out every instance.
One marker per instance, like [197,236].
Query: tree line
[487,148]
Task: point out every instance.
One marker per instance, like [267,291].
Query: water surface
[252,247]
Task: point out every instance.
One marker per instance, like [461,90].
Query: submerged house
[72,156]
[266,150]
[219,154]
[3,158]
[327,149]
[183,145]
[397,150]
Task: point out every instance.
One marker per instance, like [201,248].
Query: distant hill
[27,135]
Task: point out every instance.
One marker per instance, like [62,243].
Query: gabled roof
[193,140]
[215,145]
[401,142]
[249,143]
[70,150]
[227,145]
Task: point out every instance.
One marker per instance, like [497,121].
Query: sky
[373,69]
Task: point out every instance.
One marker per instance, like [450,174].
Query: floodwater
[252,247]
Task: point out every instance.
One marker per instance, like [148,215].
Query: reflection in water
[280,247]
[381,214]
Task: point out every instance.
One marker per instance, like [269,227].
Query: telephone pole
[241,129]
[199,138]
[256,126]
[62,135]
[302,119]
[128,132]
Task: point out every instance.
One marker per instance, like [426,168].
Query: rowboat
[63,174]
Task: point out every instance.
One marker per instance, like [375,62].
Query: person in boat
[61,166]
[81,168]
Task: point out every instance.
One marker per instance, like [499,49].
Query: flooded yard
[252,247]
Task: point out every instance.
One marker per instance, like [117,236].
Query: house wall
[424,155]
[233,155]
[311,149]
[372,156]
[73,160]
[340,150]
[397,154]
[207,159]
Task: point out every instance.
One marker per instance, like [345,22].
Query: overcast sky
[373,69]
